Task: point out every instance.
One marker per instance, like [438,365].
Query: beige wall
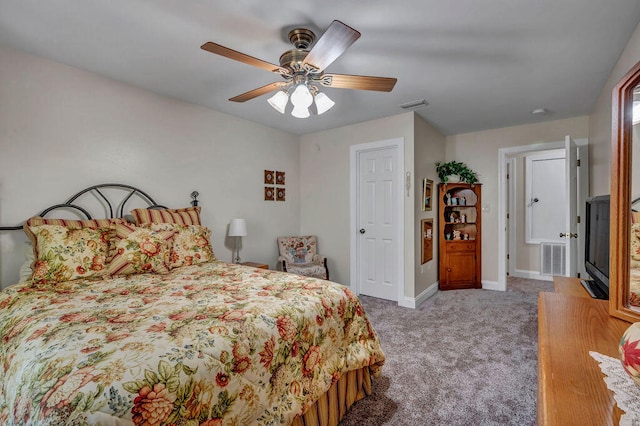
[600,119]
[479,150]
[63,129]
[324,188]
[429,149]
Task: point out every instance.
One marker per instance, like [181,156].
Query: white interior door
[571,188]
[377,223]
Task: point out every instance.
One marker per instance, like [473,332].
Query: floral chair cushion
[635,245]
[66,254]
[298,250]
[298,255]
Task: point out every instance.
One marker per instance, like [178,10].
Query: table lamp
[238,229]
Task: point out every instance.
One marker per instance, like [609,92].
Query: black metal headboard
[97,191]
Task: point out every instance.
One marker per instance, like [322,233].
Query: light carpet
[465,357]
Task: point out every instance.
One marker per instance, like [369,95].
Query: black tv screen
[597,241]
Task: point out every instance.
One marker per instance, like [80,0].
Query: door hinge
[578,163]
[507,215]
[508,257]
[507,175]
[578,219]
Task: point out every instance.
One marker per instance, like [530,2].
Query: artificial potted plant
[448,172]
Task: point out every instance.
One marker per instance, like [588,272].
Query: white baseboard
[491,285]
[534,275]
[414,302]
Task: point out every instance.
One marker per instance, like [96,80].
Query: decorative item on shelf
[463,218]
[280,178]
[238,229]
[448,171]
[280,194]
[456,235]
[269,193]
[268,177]
[454,216]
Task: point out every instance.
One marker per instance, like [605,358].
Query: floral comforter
[208,344]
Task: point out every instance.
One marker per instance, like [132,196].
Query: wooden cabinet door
[461,269]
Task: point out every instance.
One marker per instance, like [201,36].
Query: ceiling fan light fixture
[279,101]
[323,103]
[301,97]
[300,112]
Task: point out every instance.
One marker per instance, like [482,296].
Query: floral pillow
[141,250]
[191,244]
[635,245]
[66,254]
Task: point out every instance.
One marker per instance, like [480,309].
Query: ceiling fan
[303,70]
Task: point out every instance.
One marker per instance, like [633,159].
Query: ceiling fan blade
[237,56]
[331,45]
[359,82]
[258,92]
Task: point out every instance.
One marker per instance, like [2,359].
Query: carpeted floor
[465,357]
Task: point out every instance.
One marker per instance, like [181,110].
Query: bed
[203,342]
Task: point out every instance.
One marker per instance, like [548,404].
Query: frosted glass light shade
[301,97]
[300,112]
[279,101]
[238,228]
[323,103]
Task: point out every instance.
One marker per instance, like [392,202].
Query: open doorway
[509,251]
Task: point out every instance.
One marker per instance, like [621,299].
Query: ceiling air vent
[420,103]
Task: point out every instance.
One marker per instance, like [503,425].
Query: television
[596,256]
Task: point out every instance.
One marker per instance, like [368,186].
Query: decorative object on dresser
[298,255]
[238,229]
[460,240]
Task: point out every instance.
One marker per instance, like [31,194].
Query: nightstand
[256,265]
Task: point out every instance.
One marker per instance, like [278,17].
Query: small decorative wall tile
[280,194]
[280,178]
[269,193]
[269,177]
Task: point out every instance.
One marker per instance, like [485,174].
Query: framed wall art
[269,177]
[427,190]
[426,229]
[280,194]
[269,193]
[279,178]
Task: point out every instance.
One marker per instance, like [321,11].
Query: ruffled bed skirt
[333,405]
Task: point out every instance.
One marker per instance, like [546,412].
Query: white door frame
[502,198]
[354,151]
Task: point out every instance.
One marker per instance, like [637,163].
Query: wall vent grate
[553,259]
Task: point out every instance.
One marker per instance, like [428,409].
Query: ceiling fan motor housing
[302,39]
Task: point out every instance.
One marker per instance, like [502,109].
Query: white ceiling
[480,64]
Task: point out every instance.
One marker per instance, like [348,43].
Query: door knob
[568,235]
[362,231]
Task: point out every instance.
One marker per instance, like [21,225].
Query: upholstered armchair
[299,255]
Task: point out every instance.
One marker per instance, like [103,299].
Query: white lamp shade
[300,112]
[323,103]
[238,228]
[301,97]
[279,101]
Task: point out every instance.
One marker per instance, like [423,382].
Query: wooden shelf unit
[460,254]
